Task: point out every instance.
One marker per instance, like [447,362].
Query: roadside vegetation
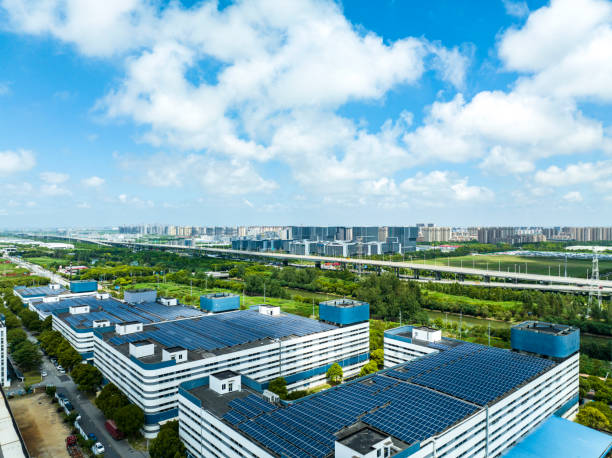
[295,289]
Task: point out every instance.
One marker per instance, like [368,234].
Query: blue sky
[319,112]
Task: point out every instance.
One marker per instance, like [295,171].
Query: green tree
[129,419]
[110,400]
[47,324]
[279,386]
[15,336]
[26,355]
[603,408]
[369,368]
[87,377]
[167,443]
[335,374]
[378,356]
[50,390]
[593,418]
[68,357]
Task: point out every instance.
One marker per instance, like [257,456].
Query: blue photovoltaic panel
[420,399]
[214,332]
[117,312]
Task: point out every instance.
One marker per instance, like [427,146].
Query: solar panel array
[472,372]
[306,428]
[40,291]
[420,399]
[117,312]
[213,332]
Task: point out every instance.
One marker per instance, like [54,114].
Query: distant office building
[436,234]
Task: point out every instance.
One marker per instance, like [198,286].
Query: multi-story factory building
[462,400]
[148,362]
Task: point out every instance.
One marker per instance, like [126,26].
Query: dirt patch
[41,426]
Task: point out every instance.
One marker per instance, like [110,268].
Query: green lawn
[46,261]
[10,268]
[32,377]
[575,267]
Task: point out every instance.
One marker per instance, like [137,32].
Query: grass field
[10,268]
[46,261]
[575,267]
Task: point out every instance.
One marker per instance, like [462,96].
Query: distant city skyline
[463,113]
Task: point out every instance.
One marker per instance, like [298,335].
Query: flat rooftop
[115,311]
[439,390]
[343,303]
[224,332]
[546,328]
[39,291]
[362,440]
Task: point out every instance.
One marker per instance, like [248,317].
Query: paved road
[92,419]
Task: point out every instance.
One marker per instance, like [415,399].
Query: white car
[43,373]
[97,448]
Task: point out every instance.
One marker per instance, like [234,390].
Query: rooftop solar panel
[420,399]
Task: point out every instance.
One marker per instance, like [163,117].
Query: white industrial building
[409,342]
[77,318]
[462,400]
[149,362]
[4,381]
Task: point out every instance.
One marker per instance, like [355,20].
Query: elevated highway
[527,280]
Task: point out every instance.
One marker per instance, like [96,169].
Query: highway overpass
[528,281]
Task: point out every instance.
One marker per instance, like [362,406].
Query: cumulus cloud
[568,54]
[93,182]
[54,190]
[583,172]
[573,196]
[16,161]
[516,8]
[135,201]
[54,177]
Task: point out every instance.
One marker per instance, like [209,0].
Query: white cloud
[516,8]
[54,177]
[503,161]
[568,53]
[135,201]
[93,182]
[283,76]
[583,172]
[440,187]
[54,190]
[5,88]
[573,196]
[532,127]
[216,176]
[16,161]
[83,205]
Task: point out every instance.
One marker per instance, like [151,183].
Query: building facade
[465,400]
[261,343]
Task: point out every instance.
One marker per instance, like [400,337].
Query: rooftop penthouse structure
[219,302]
[262,343]
[462,399]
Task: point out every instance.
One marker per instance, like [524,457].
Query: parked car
[97,448]
[112,429]
[73,448]
[61,370]
[43,374]
[92,437]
